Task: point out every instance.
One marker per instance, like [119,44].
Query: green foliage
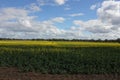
[61,60]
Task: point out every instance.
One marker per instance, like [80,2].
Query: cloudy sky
[68,19]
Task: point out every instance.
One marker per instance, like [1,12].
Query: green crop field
[61,57]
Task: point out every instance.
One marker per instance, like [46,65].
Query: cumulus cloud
[25,22]
[15,19]
[58,19]
[93,7]
[76,14]
[24,26]
[110,13]
[12,13]
[94,26]
[108,23]
[51,2]
[18,23]
[34,7]
[45,2]
[60,2]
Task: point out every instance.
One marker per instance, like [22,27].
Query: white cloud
[15,19]
[76,14]
[51,2]
[24,26]
[25,22]
[107,26]
[12,13]
[93,7]
[21,25]
[110,12]
[34,7]
[17,23]
[94,26]
[60,2]
[58,19]
[45,2]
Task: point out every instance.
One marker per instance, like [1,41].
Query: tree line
[88,40]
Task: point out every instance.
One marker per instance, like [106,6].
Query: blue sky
[48,11]
[65,18]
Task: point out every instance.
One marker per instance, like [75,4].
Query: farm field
[61,57]
[59,43]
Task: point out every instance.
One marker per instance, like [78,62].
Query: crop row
[61,60]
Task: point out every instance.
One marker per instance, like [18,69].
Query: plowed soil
[15,74]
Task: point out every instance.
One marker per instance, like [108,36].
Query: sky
[60,19]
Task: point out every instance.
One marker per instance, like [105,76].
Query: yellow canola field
[61,43]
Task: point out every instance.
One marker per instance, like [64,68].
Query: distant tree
[106,40]
[118,40]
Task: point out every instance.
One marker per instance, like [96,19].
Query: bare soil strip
[15,74]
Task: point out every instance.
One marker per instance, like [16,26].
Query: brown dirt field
[15,74]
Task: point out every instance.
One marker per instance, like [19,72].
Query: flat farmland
[61,57]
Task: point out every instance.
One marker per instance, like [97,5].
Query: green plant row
[61,60]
